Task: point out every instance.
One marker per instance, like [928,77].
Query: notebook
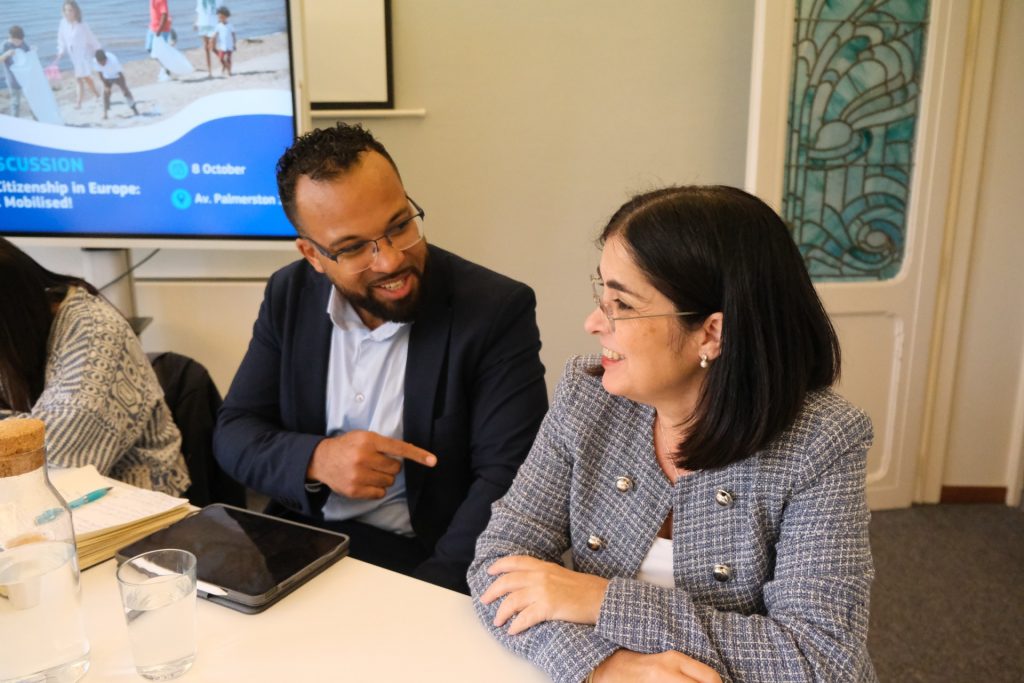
[122,516]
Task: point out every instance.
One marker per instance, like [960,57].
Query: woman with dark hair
[706,482]
[68,358]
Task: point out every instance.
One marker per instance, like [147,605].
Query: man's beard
[402,311]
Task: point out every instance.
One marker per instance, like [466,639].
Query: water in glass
[39,595]
[161,616]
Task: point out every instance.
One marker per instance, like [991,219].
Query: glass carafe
[42,635]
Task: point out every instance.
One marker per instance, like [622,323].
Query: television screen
[144,118]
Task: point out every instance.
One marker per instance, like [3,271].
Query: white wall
[542,118]
[981,446]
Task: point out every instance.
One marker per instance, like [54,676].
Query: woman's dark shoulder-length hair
[718,248]
[28,293]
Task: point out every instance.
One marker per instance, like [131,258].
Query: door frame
[956,83]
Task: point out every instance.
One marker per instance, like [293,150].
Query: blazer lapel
[312,358]
[428,352]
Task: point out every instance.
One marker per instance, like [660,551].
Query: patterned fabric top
[770,555]
[102,404]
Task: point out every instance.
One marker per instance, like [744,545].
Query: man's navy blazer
[474,396]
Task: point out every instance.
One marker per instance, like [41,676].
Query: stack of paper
[119,518]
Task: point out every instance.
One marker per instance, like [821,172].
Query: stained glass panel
[852,118]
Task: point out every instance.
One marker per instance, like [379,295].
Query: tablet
[246,560]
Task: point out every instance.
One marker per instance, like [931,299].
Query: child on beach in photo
[225,39]
[206,27]
[15,41]
[75,38]
[109,68]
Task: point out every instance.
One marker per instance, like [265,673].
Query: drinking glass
[158,593]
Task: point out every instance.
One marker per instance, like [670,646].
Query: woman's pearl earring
[704,361]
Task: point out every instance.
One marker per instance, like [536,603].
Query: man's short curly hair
[323,154]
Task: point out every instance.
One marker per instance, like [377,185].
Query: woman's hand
[536,591]
[626,665]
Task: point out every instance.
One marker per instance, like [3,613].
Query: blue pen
[53,513]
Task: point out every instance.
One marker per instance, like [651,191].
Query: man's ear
[309,253]
[711,342]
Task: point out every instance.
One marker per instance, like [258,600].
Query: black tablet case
[231,543]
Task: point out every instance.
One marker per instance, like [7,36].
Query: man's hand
[536,591]
[361,464]
[633,667]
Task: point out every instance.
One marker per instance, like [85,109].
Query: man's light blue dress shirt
[366,391]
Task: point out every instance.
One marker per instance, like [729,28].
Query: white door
[886,326]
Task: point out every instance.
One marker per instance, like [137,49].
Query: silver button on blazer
[770,555]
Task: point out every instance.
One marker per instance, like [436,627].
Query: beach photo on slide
[129,63]
[128,117]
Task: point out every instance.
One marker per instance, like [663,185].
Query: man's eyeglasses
[359,256]
[597,287]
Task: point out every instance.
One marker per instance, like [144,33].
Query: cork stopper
[21,446]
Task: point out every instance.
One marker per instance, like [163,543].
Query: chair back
[194,400]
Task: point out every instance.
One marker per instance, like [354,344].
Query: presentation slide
[144,118]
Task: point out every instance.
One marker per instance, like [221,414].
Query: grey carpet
[948,598]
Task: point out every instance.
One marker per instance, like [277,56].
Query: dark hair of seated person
[323,154]
[29,297]
[716,248]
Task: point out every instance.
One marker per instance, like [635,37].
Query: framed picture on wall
[348,54]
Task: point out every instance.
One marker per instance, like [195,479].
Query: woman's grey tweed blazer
[794,535]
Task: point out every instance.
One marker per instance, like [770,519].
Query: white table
[353,622]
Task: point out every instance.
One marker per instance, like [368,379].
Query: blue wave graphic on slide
[215,181]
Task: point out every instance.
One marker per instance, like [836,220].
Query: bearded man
[391,389]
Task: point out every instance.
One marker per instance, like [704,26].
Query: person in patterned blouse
[68,358]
